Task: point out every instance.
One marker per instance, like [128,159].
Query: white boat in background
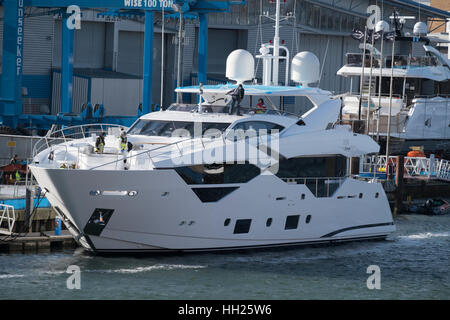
[420,104]
[199,179]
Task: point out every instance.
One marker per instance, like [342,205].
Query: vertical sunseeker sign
[20,22]
[148,3]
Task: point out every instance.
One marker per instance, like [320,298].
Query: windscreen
[163,128]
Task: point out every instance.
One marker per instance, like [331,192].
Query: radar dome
[305,68]
[420,29]
[240,66]
[382,26]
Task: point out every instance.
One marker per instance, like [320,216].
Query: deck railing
[319,186]
[72,133]
[400,61]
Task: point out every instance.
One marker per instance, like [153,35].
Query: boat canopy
[316,95]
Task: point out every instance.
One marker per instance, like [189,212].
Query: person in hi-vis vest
[125,147]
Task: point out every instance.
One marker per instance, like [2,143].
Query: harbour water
[414,264]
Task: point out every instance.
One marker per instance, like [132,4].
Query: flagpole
[362,75]
[390,108]
[379,87]
[370,85]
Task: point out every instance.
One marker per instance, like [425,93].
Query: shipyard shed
[108,51]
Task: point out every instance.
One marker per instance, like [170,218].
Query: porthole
[227,222]
[308,218]
[269,222]
[360,195]
[303,196]
[377,195]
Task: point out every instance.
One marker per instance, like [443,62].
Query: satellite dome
[240,66]
[382,26]
[420,29]
[305,68]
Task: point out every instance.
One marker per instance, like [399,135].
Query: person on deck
[237,95]
[100,143]
[125,147]
[260,106]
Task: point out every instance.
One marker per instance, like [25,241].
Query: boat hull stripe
[331,234]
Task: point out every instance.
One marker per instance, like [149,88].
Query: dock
[37,235]
[36,242]
[410,178]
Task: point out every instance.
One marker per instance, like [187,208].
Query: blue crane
[12,59]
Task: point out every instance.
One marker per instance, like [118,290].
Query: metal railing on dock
[7,217]
[413,166]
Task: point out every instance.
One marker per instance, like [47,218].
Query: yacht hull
[156,211]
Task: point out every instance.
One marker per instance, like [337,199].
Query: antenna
[399,22]
[271,60]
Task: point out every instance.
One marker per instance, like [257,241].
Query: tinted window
[312,167]
[175,128]
[291,222]
[253,128]
[242,226]
[218,173]
[213,194]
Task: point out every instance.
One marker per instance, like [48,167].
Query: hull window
[242,226]
[269,222]
[291,222]
[98,221]
[308,218]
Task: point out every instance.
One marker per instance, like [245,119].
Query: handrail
[199,141]
[69,134]
[401,61]
[316,187]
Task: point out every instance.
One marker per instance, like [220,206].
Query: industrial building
[108,48]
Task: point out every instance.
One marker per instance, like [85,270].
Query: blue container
[57,226]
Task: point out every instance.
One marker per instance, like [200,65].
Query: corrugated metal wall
[80,93]
[131,55]
[119,96]
[89,45]
[38,39]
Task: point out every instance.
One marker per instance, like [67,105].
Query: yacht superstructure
[418,104]
[200,179]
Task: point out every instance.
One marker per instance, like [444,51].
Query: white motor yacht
[199,179]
